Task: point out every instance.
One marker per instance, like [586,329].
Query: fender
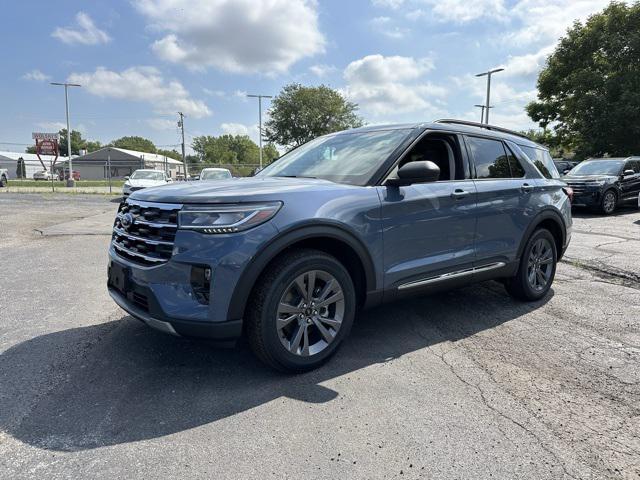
[548,213]
[284,240]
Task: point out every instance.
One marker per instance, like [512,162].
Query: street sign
[47,147]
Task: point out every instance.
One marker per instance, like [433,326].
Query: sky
[141,61]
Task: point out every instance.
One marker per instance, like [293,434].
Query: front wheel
[609,202]
[537,268]
[301,310]
[3,181]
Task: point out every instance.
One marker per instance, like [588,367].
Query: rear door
[505,206]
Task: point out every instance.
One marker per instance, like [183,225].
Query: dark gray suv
[346,221]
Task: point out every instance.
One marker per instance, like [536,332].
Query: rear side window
[542,160]
[489,157]
[517,170]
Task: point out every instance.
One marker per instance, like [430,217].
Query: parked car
[605,183]
[64,175]
[45,175]
[215,174]
[4,177]
[144,178]
[347,221]
[564,166]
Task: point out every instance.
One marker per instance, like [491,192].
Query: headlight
[226,218]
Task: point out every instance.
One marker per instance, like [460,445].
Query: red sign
[47,147]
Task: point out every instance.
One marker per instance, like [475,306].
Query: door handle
[459,194]
[526,188]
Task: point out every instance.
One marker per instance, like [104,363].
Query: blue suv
[347,221]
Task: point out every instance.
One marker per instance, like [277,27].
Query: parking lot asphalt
[466,384]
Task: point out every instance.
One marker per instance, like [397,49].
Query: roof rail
[482,125]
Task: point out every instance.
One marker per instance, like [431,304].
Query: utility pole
[66,85]
[184,161]
[488,75]
[260,97]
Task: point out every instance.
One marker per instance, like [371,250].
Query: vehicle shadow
[586,212]
[131,383]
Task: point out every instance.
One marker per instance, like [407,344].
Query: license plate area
[119,277]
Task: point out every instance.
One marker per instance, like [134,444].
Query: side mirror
[423,171]
[126,177]
[628,173]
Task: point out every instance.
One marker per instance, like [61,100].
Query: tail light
[568,192]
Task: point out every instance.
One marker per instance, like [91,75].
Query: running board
[452,275]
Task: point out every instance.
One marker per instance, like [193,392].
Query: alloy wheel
[540,264]
[609,202]
[310,313]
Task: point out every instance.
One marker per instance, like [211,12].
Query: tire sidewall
[269,330]
[530,292]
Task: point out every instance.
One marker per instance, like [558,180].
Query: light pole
[260,97]
[66,85]
[488,75]
[482,107]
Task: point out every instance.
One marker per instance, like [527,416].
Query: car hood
[588,178]
[132,182]
[237,190]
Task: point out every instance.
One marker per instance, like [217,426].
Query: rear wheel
[300,310]
[537,268]
[609,202]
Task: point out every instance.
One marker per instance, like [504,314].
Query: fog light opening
[201,283]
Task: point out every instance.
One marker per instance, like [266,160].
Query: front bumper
[224,331]
[587,199]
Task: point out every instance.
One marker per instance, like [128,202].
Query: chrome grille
[144,232]
[580,186]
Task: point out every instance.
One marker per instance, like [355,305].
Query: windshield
[346,158]
[607,167]
[147,175]
[215,174]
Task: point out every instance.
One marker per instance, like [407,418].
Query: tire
[609,202]
[278,296]
[3,181]
[525,285]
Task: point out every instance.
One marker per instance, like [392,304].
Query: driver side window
[441,149]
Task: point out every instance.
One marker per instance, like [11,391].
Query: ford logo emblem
[127,220]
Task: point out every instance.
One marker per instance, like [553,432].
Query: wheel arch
[551,220]
[329,238]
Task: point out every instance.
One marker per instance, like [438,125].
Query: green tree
[299,114]
[226,149]
[77,142]
[139,144]
[269,153]
[92,145]
[21,169]
[590,87]
[170,153]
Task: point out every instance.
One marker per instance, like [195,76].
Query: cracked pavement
[465,384]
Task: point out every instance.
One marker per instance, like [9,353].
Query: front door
[630,184]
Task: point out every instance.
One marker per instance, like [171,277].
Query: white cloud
[51,126]
[393,4]
[86,34]
[162,124]
[214,93]
[142,84]
[36,76]
[234,129]
[242,36]
[386,27]
[385,86]
[321,70]
[527,65]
